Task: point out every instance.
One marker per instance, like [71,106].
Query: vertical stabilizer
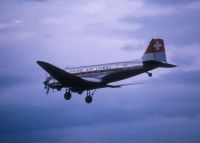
[155,51]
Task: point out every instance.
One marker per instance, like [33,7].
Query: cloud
[68,126]
[8,25]
[169,2]
[185,56]
[181,76]
[163,109]
[50,20]
[37,0]
[172,26]
[128,48]
[32,0]
[95,7]
[11,79]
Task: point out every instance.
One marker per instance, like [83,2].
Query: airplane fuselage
[103,74]
[114,71]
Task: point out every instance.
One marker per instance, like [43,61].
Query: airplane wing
[65,78]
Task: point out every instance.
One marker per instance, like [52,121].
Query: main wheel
[88,99]
[67,96]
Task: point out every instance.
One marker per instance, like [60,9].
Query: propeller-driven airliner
[90,78]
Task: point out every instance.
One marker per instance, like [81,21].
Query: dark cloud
[131,119]
[18,65]
[12,79]
[162,102]
[181,76]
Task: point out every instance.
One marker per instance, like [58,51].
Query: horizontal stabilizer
[167,65]
[158,64]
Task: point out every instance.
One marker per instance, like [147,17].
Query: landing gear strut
[149,74]
[88,98]
[67,95]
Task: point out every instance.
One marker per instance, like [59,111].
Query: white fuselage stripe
[105,68]
[159,56]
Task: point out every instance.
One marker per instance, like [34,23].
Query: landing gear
[88,98]
[149,74]
[59,88]
[68,95]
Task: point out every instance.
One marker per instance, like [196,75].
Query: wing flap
[120,85]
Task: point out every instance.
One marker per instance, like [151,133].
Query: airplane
[90,78]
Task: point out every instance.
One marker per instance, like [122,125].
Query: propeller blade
[47,92]
[45,83]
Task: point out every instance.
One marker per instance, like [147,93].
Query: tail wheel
[67,96]
[88,99]
[150,74]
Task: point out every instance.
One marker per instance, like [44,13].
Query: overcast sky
[71,33]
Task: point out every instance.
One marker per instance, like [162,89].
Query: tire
[88,99]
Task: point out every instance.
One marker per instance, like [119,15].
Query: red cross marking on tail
[157,45]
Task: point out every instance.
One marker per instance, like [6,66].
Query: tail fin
[155,51]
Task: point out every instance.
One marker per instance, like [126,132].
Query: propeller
[47,92]
[46,83]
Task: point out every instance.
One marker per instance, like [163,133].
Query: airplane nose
[46,82]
